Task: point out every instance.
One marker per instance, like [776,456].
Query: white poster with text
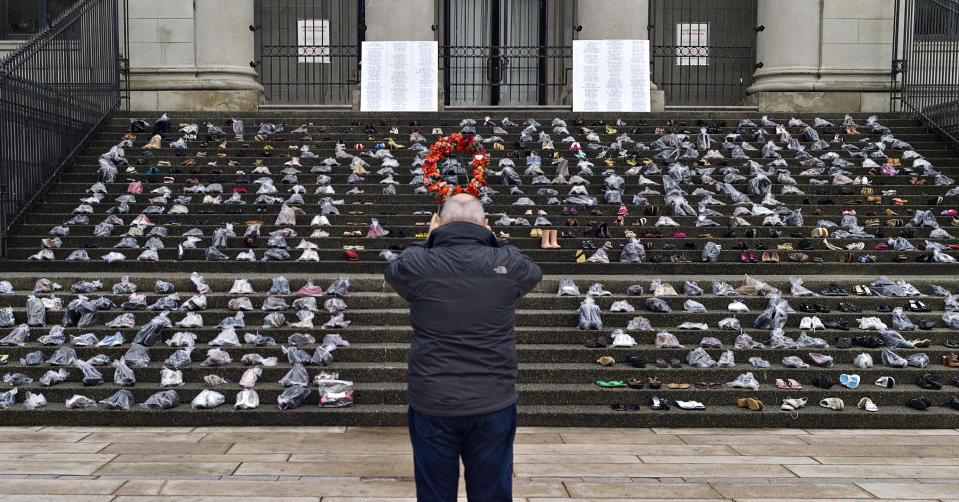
[399,77]
[692,40]
[313,40]
[611,76]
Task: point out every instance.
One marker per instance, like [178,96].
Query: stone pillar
[618,20]
[187,55]
[823,55]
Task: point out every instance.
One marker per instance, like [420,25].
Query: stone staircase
[557,372]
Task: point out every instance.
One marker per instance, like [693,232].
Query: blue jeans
[485,443]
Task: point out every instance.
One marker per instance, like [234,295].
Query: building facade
[774,55]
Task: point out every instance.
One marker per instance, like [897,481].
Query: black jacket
[462,285]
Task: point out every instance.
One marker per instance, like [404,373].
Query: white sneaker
[744,381]
[320,221]
[690,405]
[241,287]
[867,404]
[247,399]
[805,323]
[309,255]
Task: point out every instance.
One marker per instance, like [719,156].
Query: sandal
[635,383]
[655,383]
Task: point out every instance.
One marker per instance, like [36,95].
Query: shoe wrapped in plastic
[32,359]
[893,360]
[17,379]
[863,360]
[811,342]
[123,376]
[214,380]
[919,360]
[216,357]
[64,356]
[730,323]
[335,393]
[690,288]
[667,340]
[7,318]
[36,313]
[33,401]
[336,321]
[137,356]
[621,306]
[55,336]
[340,287]
[726,360]
[250,376]
[19,336]
[758,362]
[182,339]
[711,252]
[85,340]
[774,316]
[162,400]
[621,339]
[710,342]
[744,341]
[91,376]
[207,399]
[901,322]
[52,377]
[247,399]
[894,340]
[293,397]
[78,401]
[589,314]
[794,362]
[163,287]
[639,323]
[323,355]
[296,376]
[699,358]
[798,289]
[152,333]
[657,305]
[274,320]
[567,288]
[633,252]
[694,306]
[180,358]
[121,400]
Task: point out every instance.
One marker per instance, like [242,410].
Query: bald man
[462,285]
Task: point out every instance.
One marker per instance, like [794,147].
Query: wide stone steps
[557,373]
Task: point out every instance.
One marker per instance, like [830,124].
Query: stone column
[192,57]
[618,20]
[823,55]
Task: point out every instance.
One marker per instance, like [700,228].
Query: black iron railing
[55,91]
[308,51]
[925,66]
[703,52]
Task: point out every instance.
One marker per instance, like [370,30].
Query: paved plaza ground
[87,464]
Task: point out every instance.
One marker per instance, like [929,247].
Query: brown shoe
[951,360]
[846,258]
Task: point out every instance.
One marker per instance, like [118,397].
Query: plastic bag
[665,339]
[639,324]
[322,356]
[162,400]
[775,315]
[296,376]
[170,378]
[138,356]
[657,305]
[216,357]
[798,289]
[78,401]
[180,358]
[207,399]
[894,340]
[247,399]
[280,286]
[589,314]
[7,318]
[64,356]
[19,336]
[32,359]
[152,333]
[36,313]
[52,377]
[17,379]
[340,287]
[730,323]
[918,360]
[163,287]
[744,341]
[336,321]
[121,400]
[293,397]
[711,252]
[901,322]
[693,306]
[567,288]
[633,252]
[690,288]
[123,376]
[91,376]
[33,401]
[335,393]
[699,358]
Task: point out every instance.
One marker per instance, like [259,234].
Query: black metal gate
[703,52]
[506,52]
[308,51]
[926,60]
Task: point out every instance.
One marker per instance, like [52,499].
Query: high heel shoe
[752,257]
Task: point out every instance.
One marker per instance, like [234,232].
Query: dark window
[24,18]
[937,20]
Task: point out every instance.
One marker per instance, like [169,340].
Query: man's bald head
[463,207]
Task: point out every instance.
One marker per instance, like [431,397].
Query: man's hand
[434,224]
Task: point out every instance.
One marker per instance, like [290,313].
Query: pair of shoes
[751,403]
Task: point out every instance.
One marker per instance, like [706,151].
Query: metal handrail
[56,91]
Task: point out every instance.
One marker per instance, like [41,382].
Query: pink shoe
[851,212]
[679,235]
[881,246]
[622,210]
[794,384]
[949,212]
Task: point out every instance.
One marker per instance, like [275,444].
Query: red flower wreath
[444,146]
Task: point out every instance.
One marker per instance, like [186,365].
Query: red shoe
[752,256]
[352,256]
[744,257]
